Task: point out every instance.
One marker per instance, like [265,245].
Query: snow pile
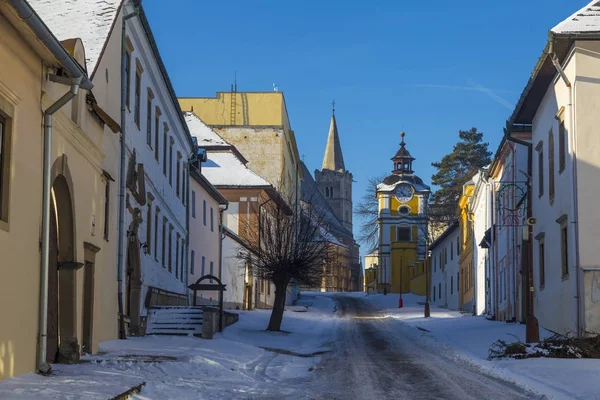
[469,338]
[244,361]
[302,333]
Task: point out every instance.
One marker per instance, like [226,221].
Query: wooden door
[52,329]
[88,306]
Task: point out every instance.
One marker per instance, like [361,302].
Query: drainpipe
[43,366]
[122,176]
[222,208]
[191,161]
[574,203]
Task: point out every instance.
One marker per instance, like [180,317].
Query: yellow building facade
[81,306]
[403,228]
[465,263]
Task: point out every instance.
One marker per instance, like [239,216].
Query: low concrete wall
[210,321]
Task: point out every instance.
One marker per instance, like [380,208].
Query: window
[562,142]
[177,256]
[4,167]
[457,246]
[166,129]
[183,180]
[136,105]
[451,252]
[403,234]
[331,191]
[541,259]
[203,266]
[204,211]
[540,150]
[127,78]
[551,167]
[182,260]
[327,192]
[457,281]
[212,270]
[171,163]
[192,262]
[564,247]
[452,285]
[440,290]
[149,119]
[156,133]
[404,210]
[156,233]
[178,173]
[434,293]
[212,218]
[170,246]
[106,197]
[434,264]
[193,204]
[149,227]
[164,241]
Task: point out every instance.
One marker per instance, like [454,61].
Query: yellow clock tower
[402,225]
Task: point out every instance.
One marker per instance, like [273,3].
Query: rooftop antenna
[275,88]
[333,107]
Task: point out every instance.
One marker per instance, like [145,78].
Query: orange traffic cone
[400,303]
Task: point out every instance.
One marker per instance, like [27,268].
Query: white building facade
[445,269]
[158,147]
[206,207]
[560,108]
[481,209]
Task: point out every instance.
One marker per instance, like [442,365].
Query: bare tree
[367,210]
[286,248]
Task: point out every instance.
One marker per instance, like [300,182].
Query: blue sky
[421,67]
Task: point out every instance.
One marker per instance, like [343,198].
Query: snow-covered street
[346,346]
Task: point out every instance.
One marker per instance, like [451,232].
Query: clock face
[404,193]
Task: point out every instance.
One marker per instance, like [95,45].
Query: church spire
[402,160]
[333,160]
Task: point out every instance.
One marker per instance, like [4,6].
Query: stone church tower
[333,180]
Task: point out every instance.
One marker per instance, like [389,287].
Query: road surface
[372,360]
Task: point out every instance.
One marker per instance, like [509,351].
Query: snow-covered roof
[89,20]
[224,168]
[585,20]
[205,135]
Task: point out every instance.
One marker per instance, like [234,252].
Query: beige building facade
[81,288]
[258,125]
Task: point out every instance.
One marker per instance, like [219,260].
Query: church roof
[310,193]
[333,159]
[89,20]
[586,19]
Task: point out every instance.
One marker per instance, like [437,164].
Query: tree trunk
[278,307]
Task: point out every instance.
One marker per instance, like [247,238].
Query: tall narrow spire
[333,160]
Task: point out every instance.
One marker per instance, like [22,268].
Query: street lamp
[427,256]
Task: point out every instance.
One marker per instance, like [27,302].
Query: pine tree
[456,169]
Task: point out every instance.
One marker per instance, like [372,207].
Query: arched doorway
[62,289]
